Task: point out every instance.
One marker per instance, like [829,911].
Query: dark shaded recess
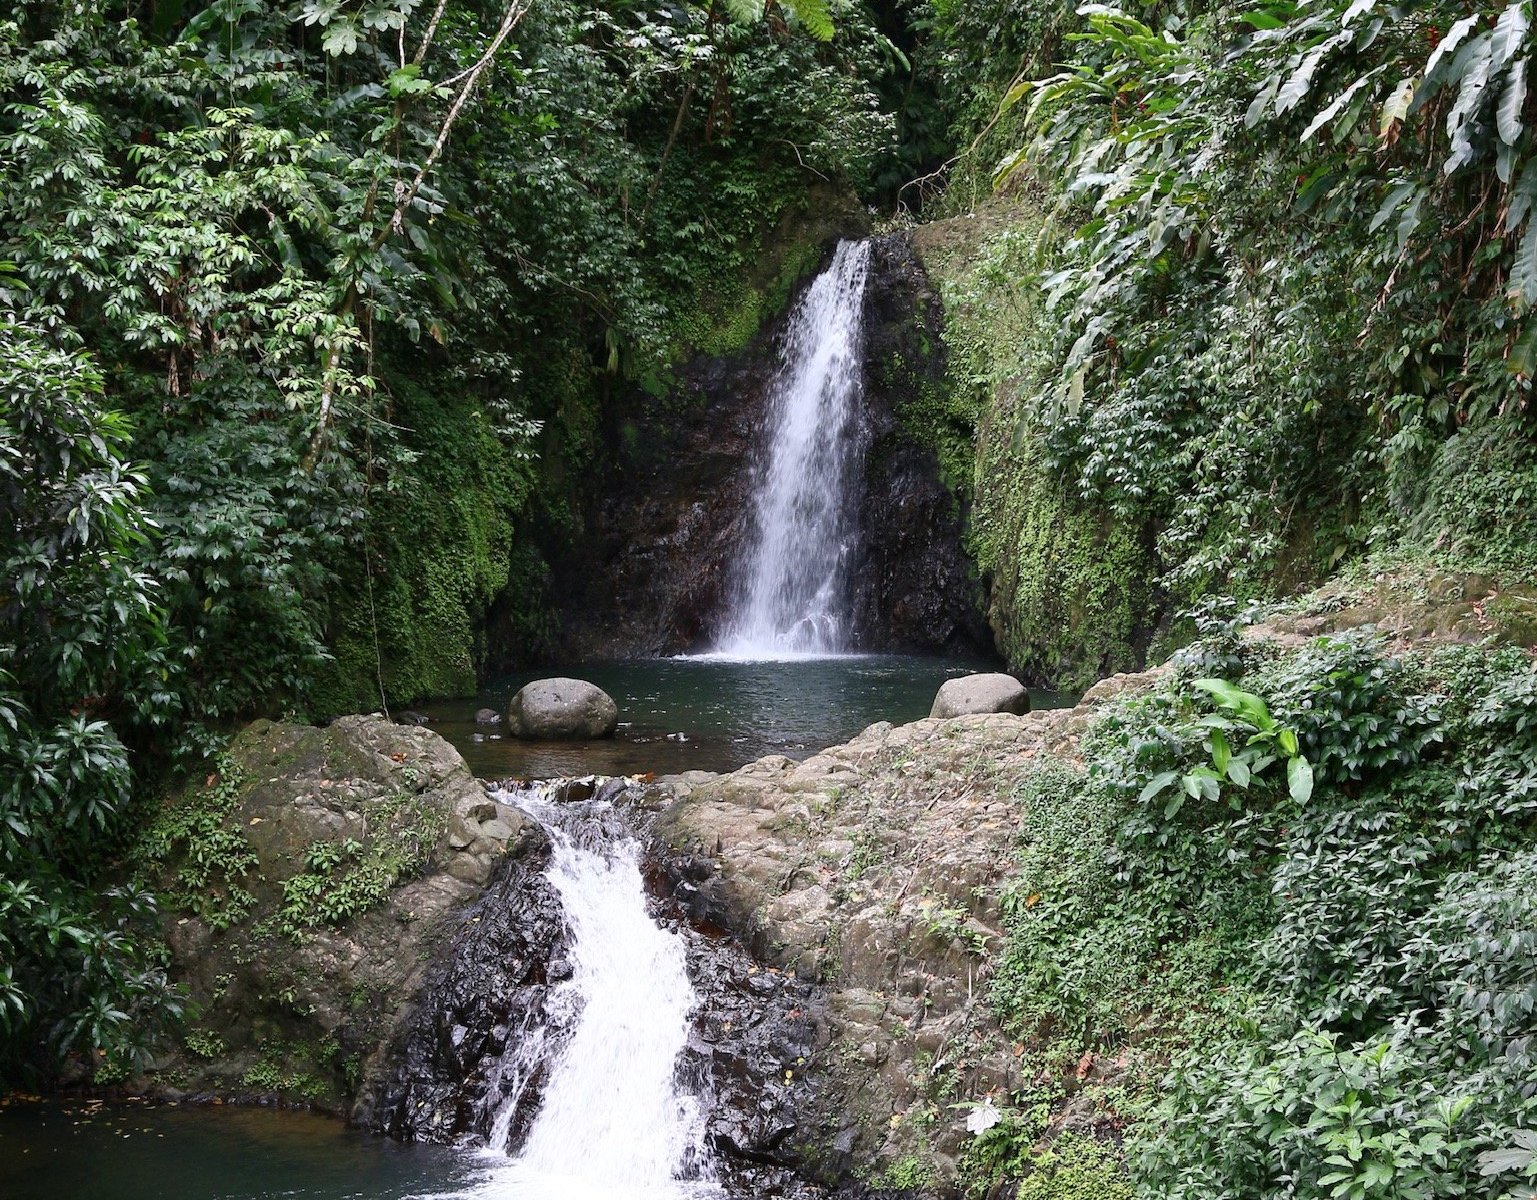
[647,570]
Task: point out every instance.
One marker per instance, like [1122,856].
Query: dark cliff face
[914,588]
[650,571]
[482,997]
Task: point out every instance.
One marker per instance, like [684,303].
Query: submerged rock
[554,709]
[973,694]
[487,716]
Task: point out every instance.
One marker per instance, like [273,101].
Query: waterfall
[790,591]
[615,1121]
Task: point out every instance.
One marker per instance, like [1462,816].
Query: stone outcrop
[311,883]
[444,1084]
[972,694]
[557,709]
[871,872]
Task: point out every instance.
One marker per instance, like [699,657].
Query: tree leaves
[1512,102]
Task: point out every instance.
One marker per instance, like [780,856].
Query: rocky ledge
[871,872]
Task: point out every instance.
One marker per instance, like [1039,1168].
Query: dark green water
[140,1152]
[709,714]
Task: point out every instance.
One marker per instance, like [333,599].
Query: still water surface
[141,1152]
[710,713]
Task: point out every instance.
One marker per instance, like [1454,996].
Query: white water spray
[791,589]
[614,1122]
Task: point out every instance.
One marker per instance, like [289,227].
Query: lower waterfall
[615,1121]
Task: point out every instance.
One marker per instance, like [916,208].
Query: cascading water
[790,593]
[615,1121]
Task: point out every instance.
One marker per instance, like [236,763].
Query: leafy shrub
[1342,978]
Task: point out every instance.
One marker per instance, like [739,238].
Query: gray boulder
[980,694]
[487,716]
[550,709]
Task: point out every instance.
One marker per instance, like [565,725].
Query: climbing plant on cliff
[1282,289]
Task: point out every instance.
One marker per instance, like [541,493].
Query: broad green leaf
[1299,779]
[341,38]
[1522,288]
[1522,359]
[1497,1162]
[1409,223]
[1522,196]
[1340,101]
[1510,33]
[1221,752]
[1512,102]
[1390,204]
[1450,42]
[1295,88]
[1356,9]
[1476,64]
[1238,772]
[1261,102]
[1396,107]
[1287,740]
[1156,784]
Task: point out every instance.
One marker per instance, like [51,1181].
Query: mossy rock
[312,867]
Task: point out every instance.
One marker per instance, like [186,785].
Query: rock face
[554,709]
[479,1001]
[974,694]
[309,884]
[871,873]
[649,572]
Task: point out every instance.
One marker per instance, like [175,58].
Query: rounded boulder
[980,694]
[555,709]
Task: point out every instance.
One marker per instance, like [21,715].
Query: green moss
[441,547]
[1471,505]
[1071,593]
[730,312]
[1075,1167]
[1070,589]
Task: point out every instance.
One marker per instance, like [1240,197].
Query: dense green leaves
[297,292]
[1344,980]
[83,665]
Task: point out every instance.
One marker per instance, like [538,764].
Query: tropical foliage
[274,268]
[1341,976]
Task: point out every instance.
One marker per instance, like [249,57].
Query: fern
[815,16]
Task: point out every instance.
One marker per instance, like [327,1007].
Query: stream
[595,1102]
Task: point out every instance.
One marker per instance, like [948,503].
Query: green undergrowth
[200,862]
[438,551]
[1279,980]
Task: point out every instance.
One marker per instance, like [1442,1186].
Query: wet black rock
[485,992]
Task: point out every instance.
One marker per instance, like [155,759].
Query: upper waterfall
[790,593]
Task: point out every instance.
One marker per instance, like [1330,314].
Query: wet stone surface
[485,993]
